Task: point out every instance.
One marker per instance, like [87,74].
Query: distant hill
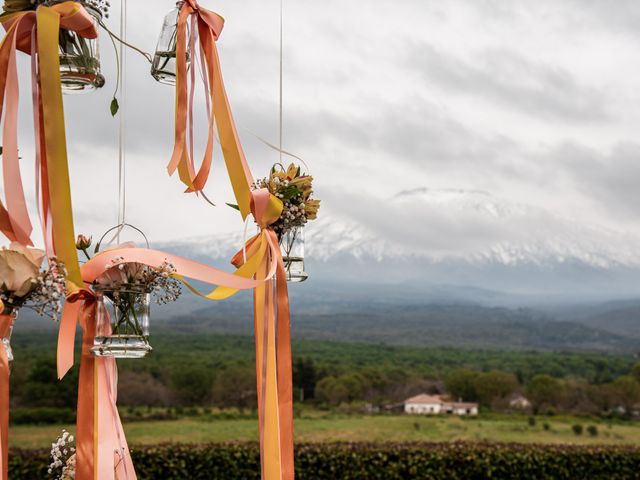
[355,318]
[469,326]
[622,318]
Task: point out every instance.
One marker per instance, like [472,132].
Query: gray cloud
[517,83]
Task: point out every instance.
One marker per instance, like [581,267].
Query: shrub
[42,416]
[577,429]
[592,430]
[546,426]
[349,461]
[532,421]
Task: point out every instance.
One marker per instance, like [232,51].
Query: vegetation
[390,461]
[144,427]
[218,371]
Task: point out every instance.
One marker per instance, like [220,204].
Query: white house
[424,404]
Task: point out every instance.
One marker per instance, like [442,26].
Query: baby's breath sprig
[295,190]
[63,457]
[46,294]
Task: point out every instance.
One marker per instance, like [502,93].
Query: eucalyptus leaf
[233,205]
[115,106]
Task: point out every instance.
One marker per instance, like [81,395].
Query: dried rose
[19,268]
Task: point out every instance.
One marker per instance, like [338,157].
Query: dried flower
[63,457]
[295,190]
[82,242]
[23,283]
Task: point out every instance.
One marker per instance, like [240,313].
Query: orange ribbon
[5,325]
[36,33]
[272,326]
[209,26]
[99,429]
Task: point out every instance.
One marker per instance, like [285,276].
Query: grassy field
[319,427]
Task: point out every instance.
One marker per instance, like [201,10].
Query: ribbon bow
[99,431]
[272,327]
[36,33]
[5,325]
[209,25]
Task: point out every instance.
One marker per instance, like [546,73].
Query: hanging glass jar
[80,58]
[122,322]
[163,67]
[292,248]
[8,329]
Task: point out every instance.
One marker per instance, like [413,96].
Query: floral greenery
[63,457]
[126,284]
[295,190]
[389,461]
[25,284]
[137,277]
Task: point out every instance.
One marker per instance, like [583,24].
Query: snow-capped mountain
[456,239]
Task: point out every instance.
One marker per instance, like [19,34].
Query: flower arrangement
[128,286]
[63,457]
[295,190]
[24,283]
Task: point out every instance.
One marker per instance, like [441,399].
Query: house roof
[424,398]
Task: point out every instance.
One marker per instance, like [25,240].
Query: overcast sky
[537,103]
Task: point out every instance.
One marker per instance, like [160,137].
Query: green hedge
[351,461]
[42,416]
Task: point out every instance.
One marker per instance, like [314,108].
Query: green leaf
[114,106]
[233,205]
[290,192]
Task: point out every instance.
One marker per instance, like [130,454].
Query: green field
[326,427]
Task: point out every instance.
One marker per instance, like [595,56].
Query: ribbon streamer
[209,26]
[36,33]
[5,325]
[271,301]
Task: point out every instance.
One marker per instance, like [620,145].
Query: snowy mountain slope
[506,234]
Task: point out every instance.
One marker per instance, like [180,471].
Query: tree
[494,386]
[141,388]
[544,390]
[462,384]
[625,392]
[235,387]
[305,376]
[192,385]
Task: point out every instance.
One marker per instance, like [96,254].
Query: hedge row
[350,461]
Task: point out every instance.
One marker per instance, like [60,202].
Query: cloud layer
[535,103]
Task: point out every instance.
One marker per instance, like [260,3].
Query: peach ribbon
[272,328]
[5,325]
[209,25]
[99,430]
[36,33]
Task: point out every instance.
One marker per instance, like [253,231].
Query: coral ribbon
[36,33]
[5,325]
[272,328]
[99,431]
[209,26]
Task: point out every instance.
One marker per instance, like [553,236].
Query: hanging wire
[280,96]
[122,159]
